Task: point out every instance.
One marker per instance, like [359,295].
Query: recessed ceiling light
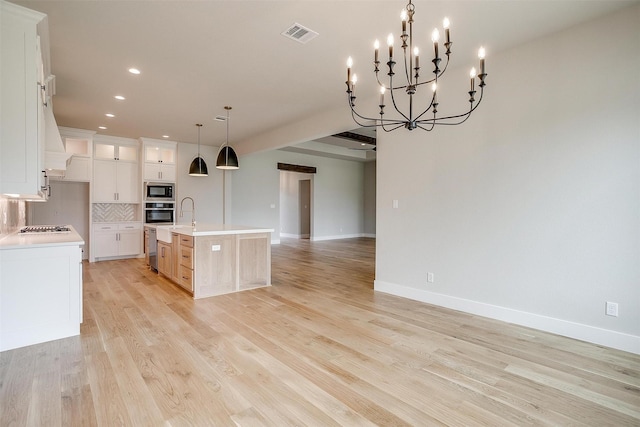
[134,71]
[102,127]
[165,136]
[119,97]
[109,115]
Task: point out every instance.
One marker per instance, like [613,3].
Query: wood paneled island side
[209,260]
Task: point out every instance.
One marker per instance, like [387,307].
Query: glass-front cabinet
[159,160]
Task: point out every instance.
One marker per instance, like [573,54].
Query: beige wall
[530,211]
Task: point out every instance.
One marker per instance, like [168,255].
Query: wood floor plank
[110,404]
[17,380]
[141,406]
[319,347]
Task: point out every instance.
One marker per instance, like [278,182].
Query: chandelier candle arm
[408,118]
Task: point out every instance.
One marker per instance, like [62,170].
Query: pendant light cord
[228,108]
[199,126]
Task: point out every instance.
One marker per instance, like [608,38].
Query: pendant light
[198,166]
[227,158]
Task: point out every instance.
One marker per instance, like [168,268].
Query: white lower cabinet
[40,295]
[116,240]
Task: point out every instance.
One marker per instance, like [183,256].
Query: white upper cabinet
[79,144]
[115,170]
[21,107]
[116,151]
[159,160]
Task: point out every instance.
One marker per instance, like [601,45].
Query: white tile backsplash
[114,212]
[12,215]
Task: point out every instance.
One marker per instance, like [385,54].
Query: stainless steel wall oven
[159,212]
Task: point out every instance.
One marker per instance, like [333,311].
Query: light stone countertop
[19,240]
[213,229]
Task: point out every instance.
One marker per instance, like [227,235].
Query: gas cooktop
[45,229]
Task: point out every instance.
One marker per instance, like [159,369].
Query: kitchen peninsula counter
[215,259]
[19,240]
[40,287]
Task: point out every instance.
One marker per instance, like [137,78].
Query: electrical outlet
[611,309]
[430,278]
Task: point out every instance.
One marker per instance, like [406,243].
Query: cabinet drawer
[186,257]
[131,226]
[186,241]
[105,227]
[186,278]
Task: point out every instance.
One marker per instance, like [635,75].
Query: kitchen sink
[163,232]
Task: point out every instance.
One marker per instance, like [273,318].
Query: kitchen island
[40,287]
[215,259]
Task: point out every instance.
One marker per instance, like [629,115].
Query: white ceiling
[198,56]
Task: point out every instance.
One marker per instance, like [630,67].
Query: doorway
[304,207]
[296,205]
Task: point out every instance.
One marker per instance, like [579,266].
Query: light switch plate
[611,309]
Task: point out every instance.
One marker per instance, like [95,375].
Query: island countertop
[213,229]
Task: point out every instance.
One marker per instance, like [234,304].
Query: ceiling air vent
[299,33]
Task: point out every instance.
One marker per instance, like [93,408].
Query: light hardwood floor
[318,348]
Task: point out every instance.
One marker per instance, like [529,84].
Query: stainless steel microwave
[159,191]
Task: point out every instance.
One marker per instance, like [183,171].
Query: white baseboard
[275,241]
[592,334]
[339,236]
[292,236]
[320,238]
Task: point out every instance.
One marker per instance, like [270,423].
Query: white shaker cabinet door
[127,182]
[105,188]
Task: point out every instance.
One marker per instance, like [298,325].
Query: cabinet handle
[47,186]
[43,88]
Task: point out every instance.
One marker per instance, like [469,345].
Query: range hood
[55,155]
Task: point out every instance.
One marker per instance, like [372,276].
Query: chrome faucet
[193,210]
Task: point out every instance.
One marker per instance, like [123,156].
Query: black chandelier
[428,118]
